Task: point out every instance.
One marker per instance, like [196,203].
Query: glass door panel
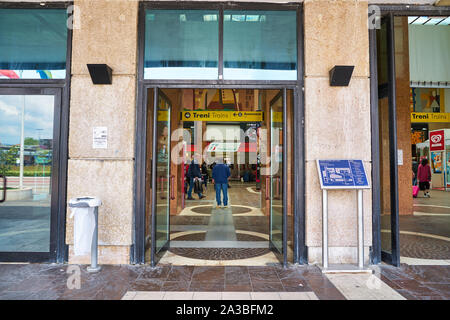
[277,183]
[161,177]
[26,163]
[388,142]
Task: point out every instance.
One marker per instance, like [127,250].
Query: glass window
[181,44]
[33,43]
[260,45]
[26,158]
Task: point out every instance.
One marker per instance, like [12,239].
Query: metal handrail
[267,187]
[278,188]
[172,189]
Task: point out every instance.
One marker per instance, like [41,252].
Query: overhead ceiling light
[429,20]
[445,22]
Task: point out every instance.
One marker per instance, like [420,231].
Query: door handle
[172,188]
[267,187]
[278,193]
[4,189]
[161,183]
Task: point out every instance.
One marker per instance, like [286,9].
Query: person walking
[424,177]
[226,164]
[220,175]
[193,175]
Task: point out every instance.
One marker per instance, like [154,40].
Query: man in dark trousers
[193,173]
[220,175]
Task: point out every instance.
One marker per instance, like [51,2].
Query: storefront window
[181,44]
[260,45]
[33,43]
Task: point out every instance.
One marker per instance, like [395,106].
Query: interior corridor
[222,235]
[242,128]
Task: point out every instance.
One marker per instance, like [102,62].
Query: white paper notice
[100,138]
[400,157]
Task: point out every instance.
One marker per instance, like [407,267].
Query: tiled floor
[220,236]
[49,282]
[173,295]
[418,282]
[426,233]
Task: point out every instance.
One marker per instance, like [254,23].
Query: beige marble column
[107,34]
[405,198]
[337,121]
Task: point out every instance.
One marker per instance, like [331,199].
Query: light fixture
[100,73]
[340,76]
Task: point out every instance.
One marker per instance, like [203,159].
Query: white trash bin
[85,211]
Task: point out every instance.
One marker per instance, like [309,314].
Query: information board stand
[342,175]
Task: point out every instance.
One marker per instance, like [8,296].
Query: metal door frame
[156,255]
[62,250]
[55,234]
[300,250]
[388,12]
[282,256]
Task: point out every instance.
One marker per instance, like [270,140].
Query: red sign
[437,140]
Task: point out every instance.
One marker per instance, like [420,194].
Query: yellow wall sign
[277,117]
[222,116]
[430,117]
[163,115]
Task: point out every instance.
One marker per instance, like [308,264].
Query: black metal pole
[393,143]
[284,173]
[375,255]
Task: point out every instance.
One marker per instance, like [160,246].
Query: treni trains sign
[222,116]
[430,117]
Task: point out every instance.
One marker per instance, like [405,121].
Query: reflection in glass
[33,43]
[276,174]
[26,153]
[260,45]
[162,173]
[181,44]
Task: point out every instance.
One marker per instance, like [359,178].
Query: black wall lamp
[340,76]
[100,73]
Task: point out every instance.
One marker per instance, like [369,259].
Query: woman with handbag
[424,177]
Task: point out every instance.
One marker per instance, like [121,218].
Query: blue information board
[342,174]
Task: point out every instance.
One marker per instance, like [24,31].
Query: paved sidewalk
[50,282]
[189,295]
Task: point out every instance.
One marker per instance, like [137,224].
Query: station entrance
[189,133]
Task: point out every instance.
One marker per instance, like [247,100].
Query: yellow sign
[163,115]
[430,117]
[222,116]
[277,117]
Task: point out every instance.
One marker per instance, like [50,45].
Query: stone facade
[337,119]
[107,34]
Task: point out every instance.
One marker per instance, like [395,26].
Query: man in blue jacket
[220,175]
[194,173]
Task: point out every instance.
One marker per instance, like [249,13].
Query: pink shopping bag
[415,191]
